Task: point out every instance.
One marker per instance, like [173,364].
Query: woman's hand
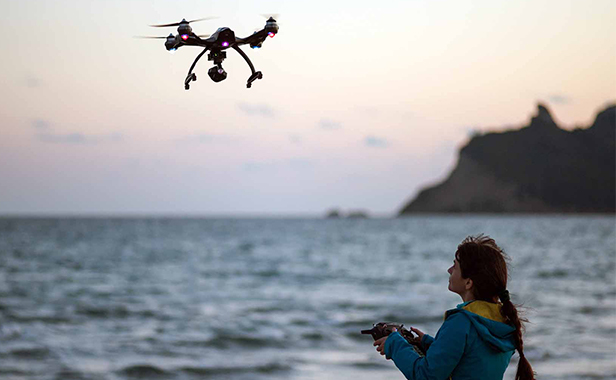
[419,333]
[380,345]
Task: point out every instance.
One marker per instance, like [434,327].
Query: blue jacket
[474,342]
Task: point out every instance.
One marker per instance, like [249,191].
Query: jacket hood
[489,323]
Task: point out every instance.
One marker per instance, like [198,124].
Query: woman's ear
[469,284]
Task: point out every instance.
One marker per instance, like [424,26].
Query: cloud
[295,139]
[31,81]
[208,138]
[46,133]
[375,142]
[78,138]
[41,124]
[329,125]
[256,109]
[559,99]
[295,164]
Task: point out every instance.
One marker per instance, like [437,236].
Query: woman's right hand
[419,333]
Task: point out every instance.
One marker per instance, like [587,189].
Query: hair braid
[510,312]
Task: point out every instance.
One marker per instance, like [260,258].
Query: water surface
[160,298]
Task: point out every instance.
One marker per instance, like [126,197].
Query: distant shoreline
[144,216]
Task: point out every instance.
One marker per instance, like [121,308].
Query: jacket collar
[483,309]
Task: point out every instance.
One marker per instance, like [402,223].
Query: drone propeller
[272,17]
[183,22]
[267,16]
[163,38]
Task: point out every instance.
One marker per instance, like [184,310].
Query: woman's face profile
[457,284]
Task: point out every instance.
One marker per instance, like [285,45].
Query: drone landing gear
[192,76]
[189,78]
[255,74]
[254,77]
[217,73]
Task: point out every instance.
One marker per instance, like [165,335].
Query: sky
[362,104]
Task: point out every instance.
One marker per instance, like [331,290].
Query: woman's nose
[450,270]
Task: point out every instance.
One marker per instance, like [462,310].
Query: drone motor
[184,29]
[171,42]
[271,27]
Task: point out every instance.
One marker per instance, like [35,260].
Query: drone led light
[225,44]
[271,34]
[184,37]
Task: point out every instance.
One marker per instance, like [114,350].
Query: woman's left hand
[380,345]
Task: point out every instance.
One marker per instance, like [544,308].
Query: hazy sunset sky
[362,103]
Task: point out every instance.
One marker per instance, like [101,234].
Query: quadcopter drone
[217,43]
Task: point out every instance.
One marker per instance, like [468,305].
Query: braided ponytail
[486,264]
[510,313]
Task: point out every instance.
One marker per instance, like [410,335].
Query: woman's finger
[417,331]
[380,341]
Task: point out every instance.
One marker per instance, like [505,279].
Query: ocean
[276,298]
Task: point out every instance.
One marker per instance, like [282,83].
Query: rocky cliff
[539,168]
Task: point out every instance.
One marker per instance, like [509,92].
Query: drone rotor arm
[201,40]
[254,39]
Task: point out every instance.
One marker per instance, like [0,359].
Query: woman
[479,337]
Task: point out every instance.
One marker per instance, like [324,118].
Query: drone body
[217,43]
